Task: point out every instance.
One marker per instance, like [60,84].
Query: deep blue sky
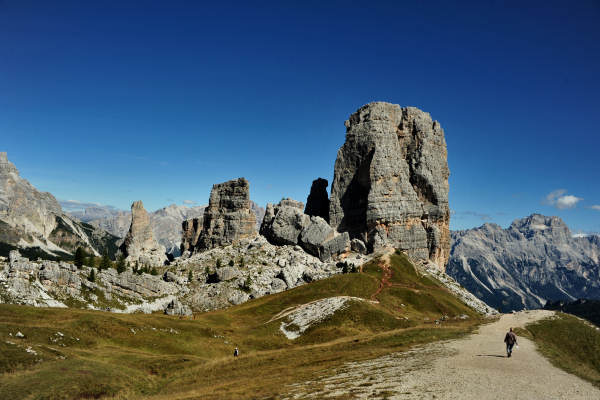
[110,101]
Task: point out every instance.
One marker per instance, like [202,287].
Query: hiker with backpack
[510,339]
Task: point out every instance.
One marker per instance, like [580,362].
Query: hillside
[34,222]
[387,306]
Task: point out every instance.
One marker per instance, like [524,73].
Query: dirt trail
[474,367]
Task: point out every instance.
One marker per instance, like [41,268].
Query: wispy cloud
[561,200]
[189,202]
[468,213]
[595,207]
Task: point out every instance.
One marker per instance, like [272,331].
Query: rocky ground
[460,369]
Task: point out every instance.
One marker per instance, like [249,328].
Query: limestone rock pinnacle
[390,185]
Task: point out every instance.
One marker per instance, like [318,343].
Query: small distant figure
[510,339]
[236,352]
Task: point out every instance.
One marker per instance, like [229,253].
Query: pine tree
[219,263]
[91,261]
[154,271]
[121,265]
[242,262]
[190,276]
[92,276]
[79,258]
[105,262]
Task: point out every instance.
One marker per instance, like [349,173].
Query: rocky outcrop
[390,185]
[533,261]
[286,224]
[139,245]
[166,222]
[33,221]
[317,203]
[191,229]
[58,284]
[228,216]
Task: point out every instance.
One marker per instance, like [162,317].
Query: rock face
[390,185]
[533,261]
[139,244]
[191,229]
[34,222]
[317,203]
[286,224]
[228,216]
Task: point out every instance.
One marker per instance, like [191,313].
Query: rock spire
[390,185]
[139,244]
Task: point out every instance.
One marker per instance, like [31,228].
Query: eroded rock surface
[390,185]
[286,224]
[228,216]
[139,245]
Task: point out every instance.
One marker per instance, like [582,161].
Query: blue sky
[110,101]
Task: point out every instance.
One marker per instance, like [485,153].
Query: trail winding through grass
[474,367]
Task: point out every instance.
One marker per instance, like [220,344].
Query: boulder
[177,308]
[283,223]
[390,185]
[228,216]
[358,246]
[317,203]
[227,273]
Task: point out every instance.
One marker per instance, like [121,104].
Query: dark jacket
[510,338]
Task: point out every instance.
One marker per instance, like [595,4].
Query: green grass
[100,356]
[569,343]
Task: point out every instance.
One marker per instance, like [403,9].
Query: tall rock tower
[390,184]
[139,244]
[228,216]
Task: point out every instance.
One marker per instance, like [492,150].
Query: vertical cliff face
[390,185]
[139,244]
[317,203]
[228,216]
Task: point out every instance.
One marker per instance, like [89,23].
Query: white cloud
[189,202]
[595,207]
[561,200]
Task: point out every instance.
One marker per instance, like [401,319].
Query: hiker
[236,352]
[510,339]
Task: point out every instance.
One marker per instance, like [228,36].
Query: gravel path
[474,367]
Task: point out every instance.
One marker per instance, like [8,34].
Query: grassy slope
[570,344]
[196,362]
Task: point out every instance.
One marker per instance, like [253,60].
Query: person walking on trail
[510,339]
[236,352]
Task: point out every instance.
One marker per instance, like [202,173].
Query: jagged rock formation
[139,245]
[191,229]
[286,224]
[228,216]
[533,261]
[317,203]
[390,185]
[34,222]
[165,222]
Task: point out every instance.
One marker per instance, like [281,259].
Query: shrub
[154,271]
[231,263]
[92,276]
[190,276]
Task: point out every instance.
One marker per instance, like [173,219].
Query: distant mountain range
[34,222]
[535,260]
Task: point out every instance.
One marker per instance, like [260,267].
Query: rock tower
[139,244]
[390,185]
